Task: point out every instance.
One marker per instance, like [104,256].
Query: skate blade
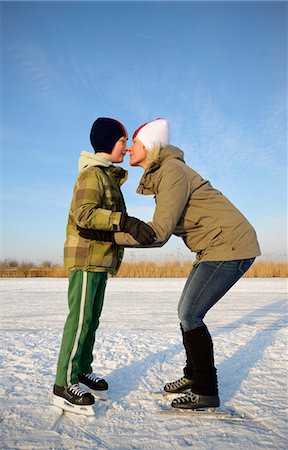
[168,394]
[199,412]
[62,403]
[99,395]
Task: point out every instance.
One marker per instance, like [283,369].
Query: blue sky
[215,70]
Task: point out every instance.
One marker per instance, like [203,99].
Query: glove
[140,231]
[96,235]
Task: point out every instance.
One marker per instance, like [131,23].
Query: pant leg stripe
[79,329]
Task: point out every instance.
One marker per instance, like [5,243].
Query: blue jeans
[206,284]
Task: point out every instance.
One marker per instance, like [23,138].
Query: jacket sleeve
[87,211]
[173,193]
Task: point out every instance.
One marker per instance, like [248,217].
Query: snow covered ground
[138,349]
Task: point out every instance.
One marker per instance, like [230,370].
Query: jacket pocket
[100,254]
[191,222]
[201,239]
[214,236]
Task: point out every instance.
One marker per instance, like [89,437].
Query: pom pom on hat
[153,133]
[105,132]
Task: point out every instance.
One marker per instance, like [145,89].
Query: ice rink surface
[138,348]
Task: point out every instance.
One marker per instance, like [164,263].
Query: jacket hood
[88,159]
[167,153]
[146,185]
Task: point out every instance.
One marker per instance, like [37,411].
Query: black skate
[92,382]
[73,399]
[179,385]
[196,401]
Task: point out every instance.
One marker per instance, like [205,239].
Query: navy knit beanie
[105,133]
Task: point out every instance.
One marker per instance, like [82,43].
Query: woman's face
[138,153]
[119,150]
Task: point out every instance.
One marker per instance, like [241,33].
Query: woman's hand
[140,231]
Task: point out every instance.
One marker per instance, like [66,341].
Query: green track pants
[85,300]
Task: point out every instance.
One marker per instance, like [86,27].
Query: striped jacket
[98,204]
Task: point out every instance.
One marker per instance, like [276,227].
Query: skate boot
[179,385]
[73,399]
[196,401]
[92,382]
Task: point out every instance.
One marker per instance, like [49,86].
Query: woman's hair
[153,152]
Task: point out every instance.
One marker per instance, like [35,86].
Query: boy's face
[119,151]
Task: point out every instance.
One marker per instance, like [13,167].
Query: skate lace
[92,376]
[178,383]
[190,397]
[77,390]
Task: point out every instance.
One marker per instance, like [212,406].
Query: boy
[97,204]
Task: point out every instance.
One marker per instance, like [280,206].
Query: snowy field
[139,348]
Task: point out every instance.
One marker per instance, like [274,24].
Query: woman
[211,226]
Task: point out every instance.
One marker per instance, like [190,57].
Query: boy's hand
[96,235]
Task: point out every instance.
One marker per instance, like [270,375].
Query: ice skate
[196,401]
[73,399]
[97,386]
[178,386]
[93,382]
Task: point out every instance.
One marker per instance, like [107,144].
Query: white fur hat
[153,133]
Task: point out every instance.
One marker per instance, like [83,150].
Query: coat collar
[88,159]
[118,173]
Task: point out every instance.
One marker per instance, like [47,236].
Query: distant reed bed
[169,269]
[10,268]
[174,269]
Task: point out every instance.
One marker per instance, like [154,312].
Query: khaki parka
[189,207]
[97,204]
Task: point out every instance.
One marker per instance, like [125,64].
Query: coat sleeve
[87,211]
[173,193]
